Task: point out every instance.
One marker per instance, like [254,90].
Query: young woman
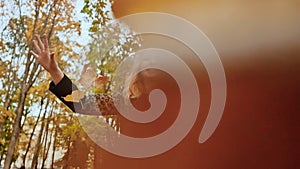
[139,86]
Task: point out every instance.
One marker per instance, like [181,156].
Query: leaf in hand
[75,96]
[87,76]
[100,81]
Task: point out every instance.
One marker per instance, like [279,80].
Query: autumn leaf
[75,96]
[87,76]
[100,81]
[90,78]
[2,141]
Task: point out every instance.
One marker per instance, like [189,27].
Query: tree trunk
[33,131]
[38,143]
[46,146]
[54,145]
[16,129]
[9,92]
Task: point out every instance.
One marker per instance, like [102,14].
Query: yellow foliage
[2,141]
[5,113]
[75,96]
[2,46]
[2,70]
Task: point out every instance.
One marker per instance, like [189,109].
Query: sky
[85,25]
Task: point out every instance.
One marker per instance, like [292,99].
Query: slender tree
[33,131]
[46,18]
[39,138]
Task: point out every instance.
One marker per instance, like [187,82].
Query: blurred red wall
[259,46]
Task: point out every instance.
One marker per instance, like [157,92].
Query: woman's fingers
[40,43]
[39,46]
[45,42]
[34,54]
[36,46]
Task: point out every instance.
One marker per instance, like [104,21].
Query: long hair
[136,83]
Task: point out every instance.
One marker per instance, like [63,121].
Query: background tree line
[36,128]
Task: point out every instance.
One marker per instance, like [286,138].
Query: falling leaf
[75,96]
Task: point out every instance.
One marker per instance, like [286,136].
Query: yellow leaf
[87,76]
[75,96]
[2,141]
[100,81]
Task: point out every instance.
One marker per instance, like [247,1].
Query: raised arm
[46,59]
[62,86]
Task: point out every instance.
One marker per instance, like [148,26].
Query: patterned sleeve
[100,104]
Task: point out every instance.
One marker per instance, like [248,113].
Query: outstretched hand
[46,59]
